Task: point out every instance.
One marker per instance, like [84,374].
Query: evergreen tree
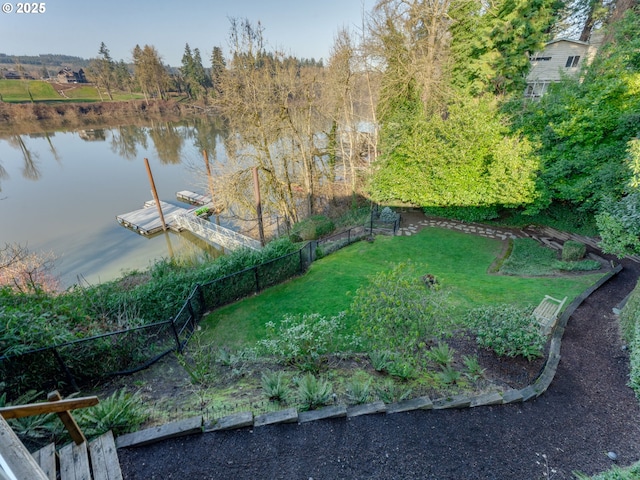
[194,76]
[103,68]
[187,70]
[491,44]
[442,142]
[582,126]
[200,76]
[218,66]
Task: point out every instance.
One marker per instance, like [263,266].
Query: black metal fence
[73,364]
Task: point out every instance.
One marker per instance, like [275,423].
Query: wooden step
[98,461]
[104,458]
[74,462]
[46,458]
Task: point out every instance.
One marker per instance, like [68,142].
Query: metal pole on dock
[155,194]
[256,193]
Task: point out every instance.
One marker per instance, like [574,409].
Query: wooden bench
[547,313]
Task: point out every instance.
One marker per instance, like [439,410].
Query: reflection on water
[61,192]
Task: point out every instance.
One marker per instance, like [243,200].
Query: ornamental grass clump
[359,390]
[474,370]
[276,386]
[390,392]
[507,330]
[313,392]
[442,354]
[122,412]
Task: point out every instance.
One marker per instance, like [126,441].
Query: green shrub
[464,214]
[634,374]
[396,313]
[507,330]
[276,386]
[313,227]
[616,473]
[573,251]
[578,266]
[329,247]
[313,392]
[630,327]
[303,340]
[630,315]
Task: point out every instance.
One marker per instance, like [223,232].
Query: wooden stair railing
[74,459]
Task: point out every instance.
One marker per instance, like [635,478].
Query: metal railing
[215,233]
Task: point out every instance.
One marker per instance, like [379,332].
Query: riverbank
[35,118]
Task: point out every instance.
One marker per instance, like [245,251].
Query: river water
[60,192]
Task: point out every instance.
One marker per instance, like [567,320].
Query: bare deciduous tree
[25,271]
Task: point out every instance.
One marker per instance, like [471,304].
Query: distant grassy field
[460,261]
[18,91]
[21,91]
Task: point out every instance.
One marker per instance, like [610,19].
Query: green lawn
[17,91]
[460,261]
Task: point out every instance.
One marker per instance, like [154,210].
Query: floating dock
[146,220]
[193,198]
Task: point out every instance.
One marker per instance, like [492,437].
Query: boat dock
[146,220]
[193,198]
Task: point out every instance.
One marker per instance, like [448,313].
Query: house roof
[557,40]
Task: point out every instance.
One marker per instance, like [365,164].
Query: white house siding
[550,65]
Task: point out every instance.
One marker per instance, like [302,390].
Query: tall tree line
[424,105]
[446,67]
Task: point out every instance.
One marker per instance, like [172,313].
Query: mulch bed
[587,411]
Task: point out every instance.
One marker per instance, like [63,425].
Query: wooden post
[209,176]
[256,194]
[69,422]
[155,194]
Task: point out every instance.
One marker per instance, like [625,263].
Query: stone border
[291,415]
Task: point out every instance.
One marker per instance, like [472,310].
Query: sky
[304,28]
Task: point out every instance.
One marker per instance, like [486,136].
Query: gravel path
[587,412]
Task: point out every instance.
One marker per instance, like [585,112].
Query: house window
[572,61]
